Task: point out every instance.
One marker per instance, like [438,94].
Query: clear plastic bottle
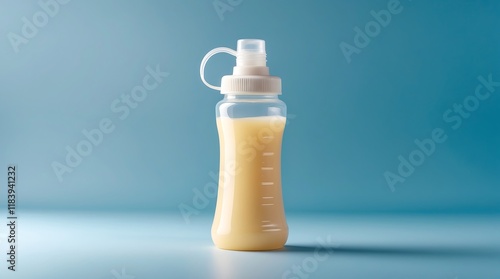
[250,120]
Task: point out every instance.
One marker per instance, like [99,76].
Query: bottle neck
[250,97]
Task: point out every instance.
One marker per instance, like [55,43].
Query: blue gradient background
[349,123]
[352,120]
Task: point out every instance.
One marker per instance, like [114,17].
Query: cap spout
[251,58]
[250,75]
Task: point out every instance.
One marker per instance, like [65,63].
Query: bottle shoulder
[251,107]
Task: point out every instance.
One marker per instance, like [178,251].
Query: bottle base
[250,250]
[251,242]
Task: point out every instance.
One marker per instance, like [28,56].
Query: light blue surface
[152,245]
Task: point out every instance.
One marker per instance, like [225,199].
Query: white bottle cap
[250,75]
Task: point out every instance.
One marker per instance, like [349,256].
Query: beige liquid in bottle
[250,213]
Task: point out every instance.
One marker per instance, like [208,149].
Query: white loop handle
[204,62]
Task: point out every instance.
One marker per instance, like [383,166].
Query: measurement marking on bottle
[268,198]
[271,230]
[268,154]
[270,225]
[266,221]
[267,204]
[268,137]
[267,183]
[267,168]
